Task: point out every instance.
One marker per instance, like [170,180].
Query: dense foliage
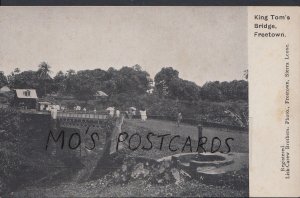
[127,81]
[169,85]
[10,139]
[3,79]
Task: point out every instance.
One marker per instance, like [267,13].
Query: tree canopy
[3,79]
[127,82]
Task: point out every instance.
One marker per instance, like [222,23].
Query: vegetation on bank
[133,80]
[21,157]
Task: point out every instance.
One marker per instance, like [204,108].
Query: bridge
[74,118]
[67,119]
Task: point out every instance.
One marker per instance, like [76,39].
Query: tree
[71,72]
[185,90]
[168,84]
[3,79]
[17,70]
[43,76]
[211,91]
[233,90]
[44,70]
[59,82]
[24,80]
[167,74]
[10,77]
[68,84]
[132,80]
[162,80]
[80,84]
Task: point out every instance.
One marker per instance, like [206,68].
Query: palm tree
[17,70]
[70,72]
[43,74]
[44,71]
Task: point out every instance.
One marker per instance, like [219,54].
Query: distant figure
[54,113]
[95,111]
[57,107]
[111,111]
[130,114]
[143,115]
[84,109]
[179,118]
[117,113]
[133,110]
[78,108]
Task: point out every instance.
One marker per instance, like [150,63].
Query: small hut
[100,95]
[25,98]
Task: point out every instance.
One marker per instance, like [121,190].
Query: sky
[202,43]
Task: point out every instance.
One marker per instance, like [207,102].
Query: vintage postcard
[149,101]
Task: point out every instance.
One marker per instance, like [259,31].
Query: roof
[26,93]
[4,89]
[101,93]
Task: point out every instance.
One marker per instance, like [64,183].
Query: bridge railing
[81,115]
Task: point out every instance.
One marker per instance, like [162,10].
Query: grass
[239,144]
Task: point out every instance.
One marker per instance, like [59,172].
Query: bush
[10,161]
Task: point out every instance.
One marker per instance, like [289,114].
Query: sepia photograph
[124,102]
